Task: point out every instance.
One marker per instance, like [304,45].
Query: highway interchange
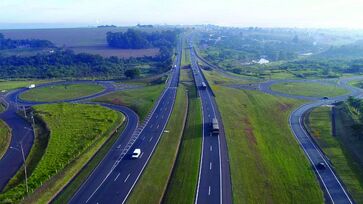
[114,178]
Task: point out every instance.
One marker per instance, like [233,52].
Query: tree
[132,73]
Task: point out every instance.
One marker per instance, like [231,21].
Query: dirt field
[88,40]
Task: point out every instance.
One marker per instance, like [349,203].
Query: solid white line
[117,177]
[127,178]
[138,176]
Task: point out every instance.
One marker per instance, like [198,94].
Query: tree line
[136,39]
[7,43]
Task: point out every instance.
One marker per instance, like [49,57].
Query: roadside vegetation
[182,185]
[153,182]
[309,89]
[140,100]
[5,138]
[77,131]
[266,162]
[61,92]
[344,149]
[356,83]
[10,85]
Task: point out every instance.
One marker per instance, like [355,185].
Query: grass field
[344,150]
[121,53]
[309,89]
[182,186]
[152,184]
[140,100]
[76,132]
[10,85]
[61,92]
[5,137]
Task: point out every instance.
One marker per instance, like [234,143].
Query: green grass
[182,186]
[61,92]
[74,185]
[76,132]
[5,137]
[356,83]
[152,184]
[344,150]
[267,165]
[140,100]
[309,89]
[10,85]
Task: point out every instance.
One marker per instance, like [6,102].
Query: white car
[136,154]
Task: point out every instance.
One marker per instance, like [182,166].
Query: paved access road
[214,184]
[22,131]
[332,185]
[113,180]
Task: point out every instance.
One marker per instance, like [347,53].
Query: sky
[261,13]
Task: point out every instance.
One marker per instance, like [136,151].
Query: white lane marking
[157,127]
[151,126]
[117,177]
[162,117]
[209,190]
[208,115]
[210,165]
[157,116]
[142,153]
[211,148]
[143,138]
[151,139]
[127,178]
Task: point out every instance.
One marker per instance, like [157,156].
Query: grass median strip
[267,165]
[152,184]
[343,150]
[182,185]
[5,137]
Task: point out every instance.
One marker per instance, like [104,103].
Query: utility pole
[26,175]
[24,111]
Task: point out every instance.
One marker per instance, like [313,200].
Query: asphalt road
[113,180]
[214,184]
[22,132]
[331,184]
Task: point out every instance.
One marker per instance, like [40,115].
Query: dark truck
[215,126]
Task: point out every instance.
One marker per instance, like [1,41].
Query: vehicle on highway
[321,166]
[203,86]
[325,97]
[136,154]
[31,86]
[215,126]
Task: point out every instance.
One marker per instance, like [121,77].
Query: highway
[113,180]
[214,184]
